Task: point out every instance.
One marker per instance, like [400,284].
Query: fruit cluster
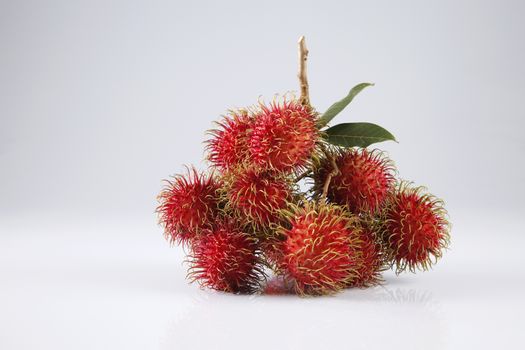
[289,197]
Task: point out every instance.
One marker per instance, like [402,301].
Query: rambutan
[256,196]
[416,228]
[226,259]
[187,205]
[363,182]
[279,285]
[272,246]
[228,146]
[284,136]
[371,259]
[320,247]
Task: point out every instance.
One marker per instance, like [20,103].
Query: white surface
[121,287]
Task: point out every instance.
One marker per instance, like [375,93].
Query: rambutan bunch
[289,195]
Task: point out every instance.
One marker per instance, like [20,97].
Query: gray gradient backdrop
[100,100]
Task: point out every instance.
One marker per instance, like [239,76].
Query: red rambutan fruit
[228,146]
[226,259]
[363,182]
[187,205]
[257,196]
[371,259]
[279,285]
[272,247]
[320,247]
[284,136]
[416,228]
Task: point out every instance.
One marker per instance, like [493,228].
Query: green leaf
[357,134]
[337,107]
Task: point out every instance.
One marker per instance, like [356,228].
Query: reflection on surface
[401,317]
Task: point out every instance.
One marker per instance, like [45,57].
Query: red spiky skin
[257,196]
[319,251]
[371,260]
[228,146]
[284,136]
[187,205]
[363,183]
[226,259]
[416,228]
[272,246]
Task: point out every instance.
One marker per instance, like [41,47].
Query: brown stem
[303,79]
[302,176]
[335,171]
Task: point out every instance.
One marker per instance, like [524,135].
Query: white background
[100,100]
